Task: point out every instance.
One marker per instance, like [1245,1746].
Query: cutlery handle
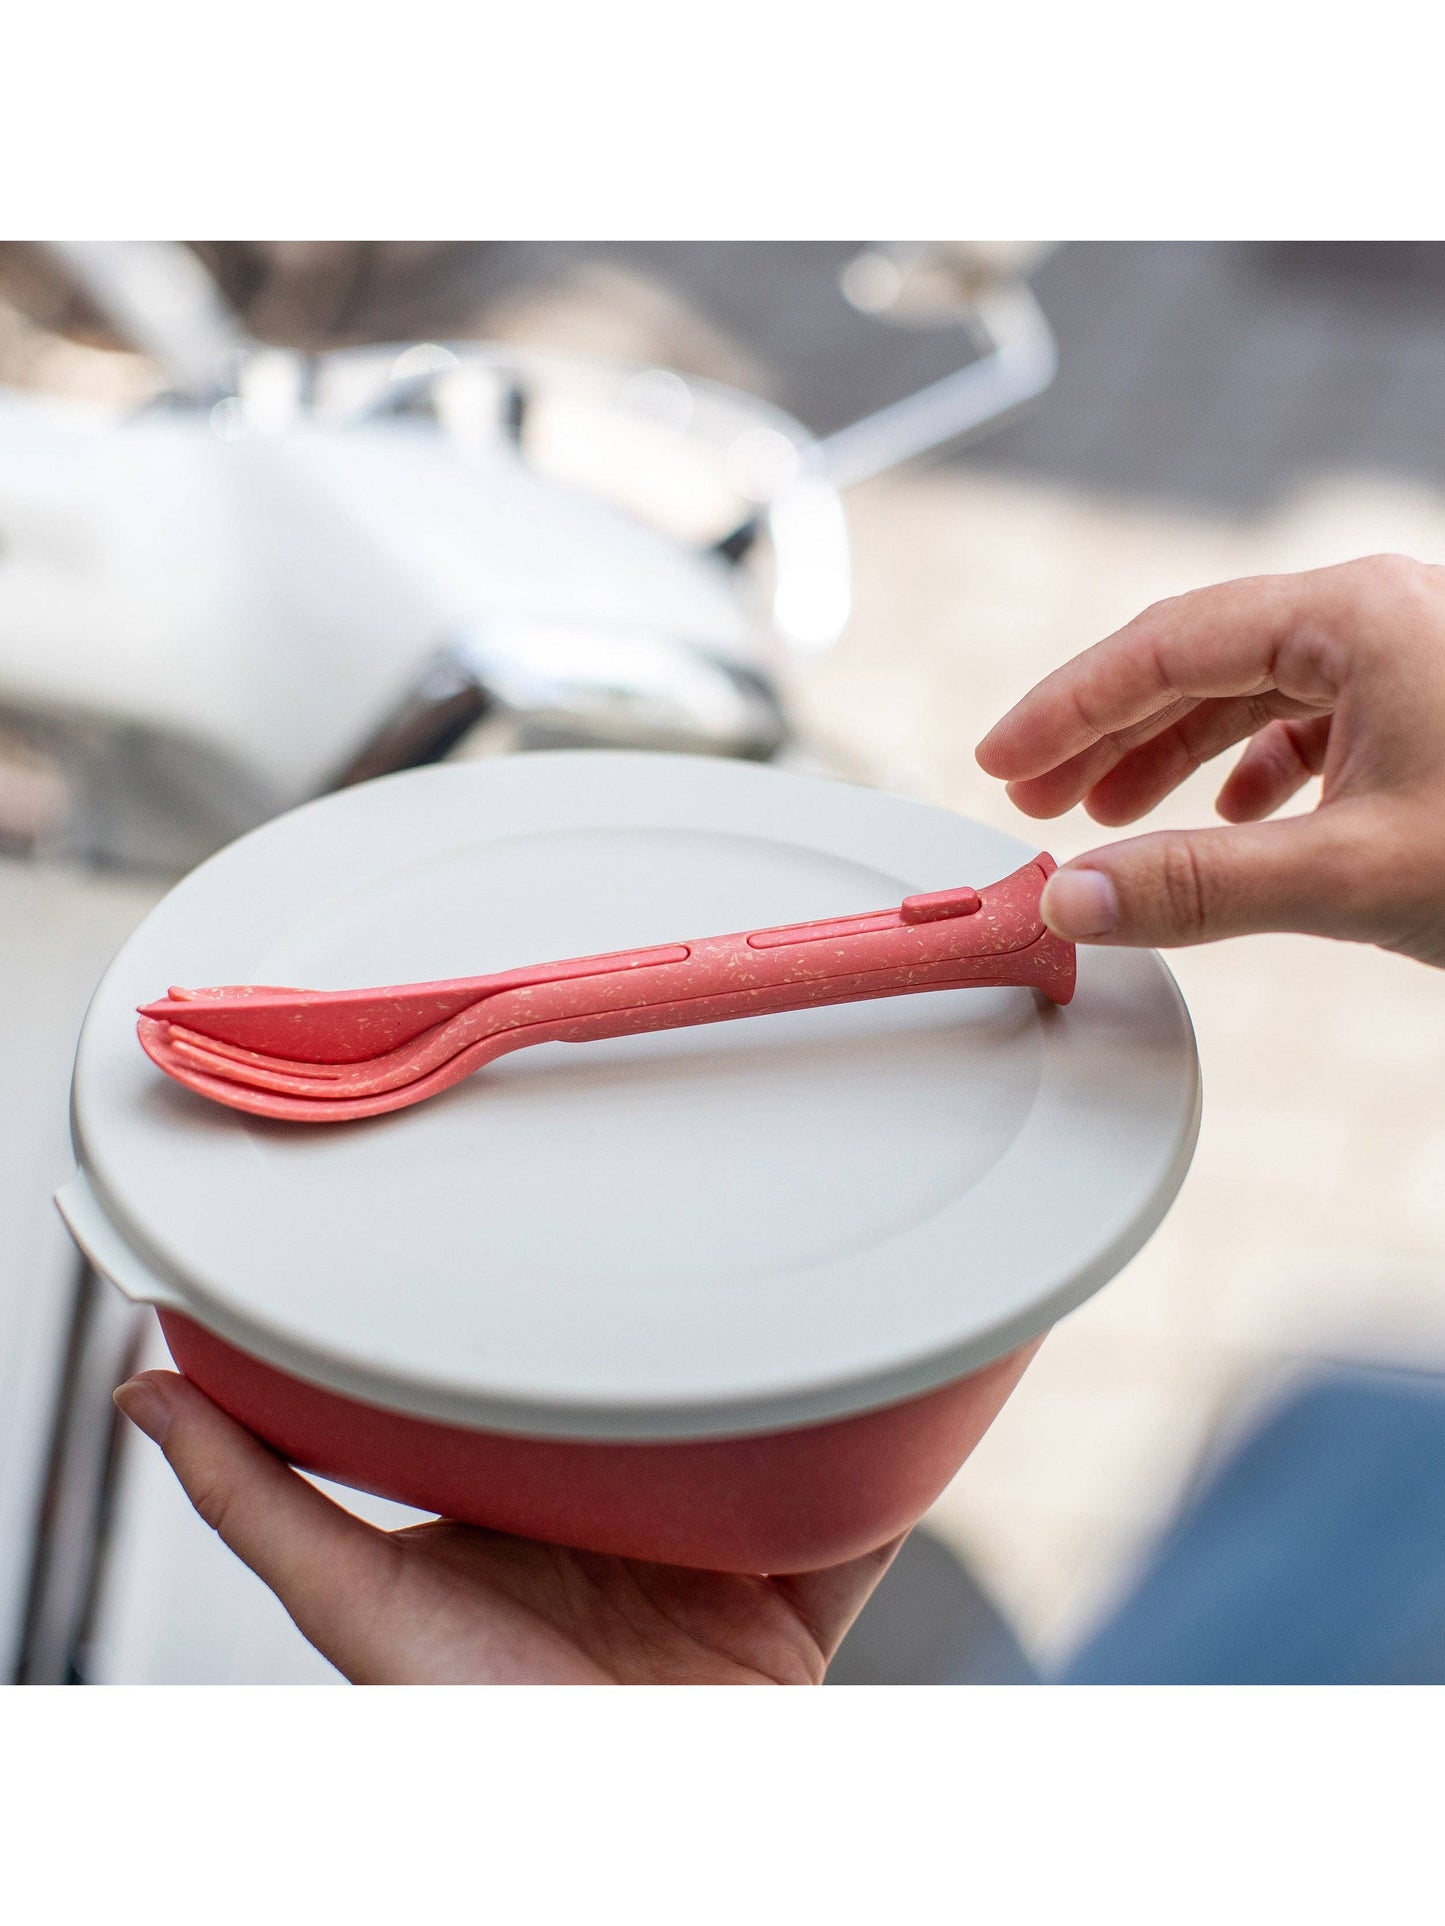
[942,941]
[1039,968]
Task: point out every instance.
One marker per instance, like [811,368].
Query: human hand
[444,1603]
[1338,673]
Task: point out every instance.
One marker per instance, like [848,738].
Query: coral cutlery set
[317,1056]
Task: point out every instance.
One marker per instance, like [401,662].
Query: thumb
[1195,886]
[324,1564]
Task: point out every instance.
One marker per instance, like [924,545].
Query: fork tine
[308,1107]
[390,1070]
[251,1076]
[363,1080]
[257,1059]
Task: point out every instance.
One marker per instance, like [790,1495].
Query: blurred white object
[240,596]
[202,626]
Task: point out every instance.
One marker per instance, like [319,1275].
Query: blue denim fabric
[1316,1555]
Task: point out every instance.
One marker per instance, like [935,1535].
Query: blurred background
[274,517]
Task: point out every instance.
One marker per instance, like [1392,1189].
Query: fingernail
[148,1409]
[1079,903]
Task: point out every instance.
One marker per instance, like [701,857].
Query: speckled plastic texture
[315,1056]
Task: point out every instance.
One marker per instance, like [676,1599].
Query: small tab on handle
[940,904]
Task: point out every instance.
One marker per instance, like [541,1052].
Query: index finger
[1221,641]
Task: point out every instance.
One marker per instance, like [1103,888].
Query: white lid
[740,1227]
